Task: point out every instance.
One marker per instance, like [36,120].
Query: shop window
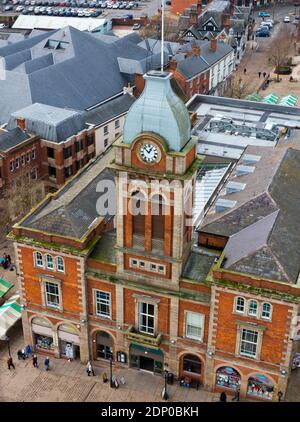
[266,311]
[192,364]
[52,294]
[252,309]
[49,262]
[146,318]
[249,343]
[103,304]
[104,345]
[228,377]
[43,342]
[240,305]
[60,265]
[194,325]
[260,386]
[38,260]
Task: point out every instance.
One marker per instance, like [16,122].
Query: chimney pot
[213,44]
[20,122]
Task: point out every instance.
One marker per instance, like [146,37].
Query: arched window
[192,363]
[38,259]
[252,310]
[60,265]
[266,311]
[49,262]
[240,305]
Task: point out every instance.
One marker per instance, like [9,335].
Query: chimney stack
[193,18]
[213,44]
[196,50]
[173,64]
[199,7]
[21,122]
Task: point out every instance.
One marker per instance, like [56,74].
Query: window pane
[266,310]
[52,294]
[249,343]
[252,307]
[102,303]
[240,304]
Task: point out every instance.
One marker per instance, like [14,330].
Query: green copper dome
[159,110]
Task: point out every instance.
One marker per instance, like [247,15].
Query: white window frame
[11,166]
[102,301]
[149,266]
[187,325]
[51,304]
[262,311]
[245,353]
[249,307]
[36,260]
[60,267]
[17,164]
[236,310]
[33,154]
[145,328]
[47,262]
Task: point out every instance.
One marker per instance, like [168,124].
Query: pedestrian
[9,259]
[122,380]
[259,74]
[23,354]
[223,396]
[34,361]
[47,363]
[89,369]
[104,377]
[245,71]
[237,396]
[264,75]
[28,351]
[10,363]
[20,354]
[116,384]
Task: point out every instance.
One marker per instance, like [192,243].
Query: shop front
[146,359]
[104,345]
[69,341]
[42,335]
[190,369]
[227,377]
[261,387]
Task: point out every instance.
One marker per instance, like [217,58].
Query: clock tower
[155,165]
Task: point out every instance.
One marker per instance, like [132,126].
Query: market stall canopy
[5,286]
[290,100]
[271,98]
[10,313]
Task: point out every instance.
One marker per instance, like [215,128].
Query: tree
[280,49]
[237,89]
[153,29]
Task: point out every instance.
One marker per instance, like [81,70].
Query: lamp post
[111,374]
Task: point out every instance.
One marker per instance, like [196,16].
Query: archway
[191,368]
[104,345]
[228,377]
[42,334]
[69,341]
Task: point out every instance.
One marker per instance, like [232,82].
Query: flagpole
[162,34]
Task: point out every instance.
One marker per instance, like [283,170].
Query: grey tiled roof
[109,110]
[12,138]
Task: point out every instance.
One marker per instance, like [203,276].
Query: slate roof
[264,231]
[51,123]
[12,138]
[72,211]
[83,72]
[103,113]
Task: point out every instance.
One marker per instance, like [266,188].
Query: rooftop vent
[242,170]
[224,205]
[233,187]
[250,159]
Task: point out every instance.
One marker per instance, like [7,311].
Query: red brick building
[109,266]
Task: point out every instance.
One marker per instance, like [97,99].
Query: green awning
[5,286]
[253,97]
[10,313]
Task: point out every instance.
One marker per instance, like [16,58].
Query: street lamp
[111,374]
[6,338]
[165,394]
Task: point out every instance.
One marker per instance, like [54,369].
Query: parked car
[263,28]
[136,26]
[287,19]
[8,7]
[262,33]
[267,23]
[264,14]
[2,25]
[19,8]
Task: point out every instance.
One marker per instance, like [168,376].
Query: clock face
[149,153]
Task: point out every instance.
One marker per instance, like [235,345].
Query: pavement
[68,382]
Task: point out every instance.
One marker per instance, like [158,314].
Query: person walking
[19,354]
[245,71]
[28,351]
[259,74]
[10,363]
[223,396]
[264,75]
[47,363]
[34,361]
[89,369]
[237,396]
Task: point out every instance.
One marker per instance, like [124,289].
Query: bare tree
[280,48]
[153,29]
[237,89]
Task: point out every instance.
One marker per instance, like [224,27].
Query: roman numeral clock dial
[149,153]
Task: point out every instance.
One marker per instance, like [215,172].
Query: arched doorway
[228,377]
[42,334]
[104,345]
[69,342]
[261,387]
[191,368]
[146,359]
